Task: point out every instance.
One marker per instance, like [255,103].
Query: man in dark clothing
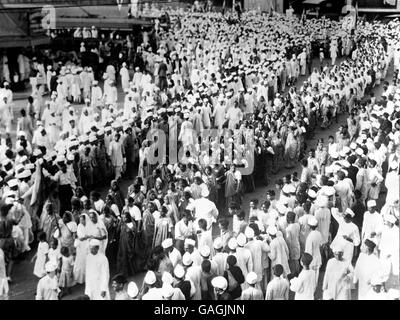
[358,208]
[162,75]
[220,285]
[352,170]
[386,125]
[235,278]
[184,285]
[129,146]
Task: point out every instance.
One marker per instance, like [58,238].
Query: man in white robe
[348,231]
[279,251]
[338,275]
[313,245]
[367,266]
[47,287]
[97,273]
[193,274]
[372,222]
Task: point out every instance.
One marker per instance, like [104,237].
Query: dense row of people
[226,110]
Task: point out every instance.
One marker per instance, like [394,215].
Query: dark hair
[42,236]
[224,223]
[64,251]
[206,266]
[278,270]
[120,279]
[202,224]
[231,260]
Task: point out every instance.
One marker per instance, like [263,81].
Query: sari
[232,188]
[163,227]
[126,256]
[82,250]
[97,230]
[291,149]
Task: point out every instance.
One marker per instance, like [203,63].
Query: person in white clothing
[313,246]
[97,274]
[47,288]
[305,284]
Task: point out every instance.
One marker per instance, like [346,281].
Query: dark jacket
[238,275]
[185,288]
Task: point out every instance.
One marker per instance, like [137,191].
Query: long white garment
[366,267]
[39,268]
[337,280]
[47,288]
[349,230]
[97,230]
[279,254]
[372,223]
[257,247]
[304,285]
[124,73]
[194,274]
[81,254]
[244,260]
[97,276]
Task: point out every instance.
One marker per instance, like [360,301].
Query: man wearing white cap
[173,293]
[313,246]
[243,256]
[258,250]
[252,293]
[338,275]
[205,209]
[193,274]
[372,223]
[190,248]
[220,285]
[278,250]
[173,254]
[377,291]
[348,231]
[366,267]
[153,292]
[47,287]
[343,191]
[96,95]
[97,273]
[219,257]
[132,290]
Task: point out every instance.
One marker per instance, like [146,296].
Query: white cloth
[97,276]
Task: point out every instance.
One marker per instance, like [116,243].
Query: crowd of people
[216,91]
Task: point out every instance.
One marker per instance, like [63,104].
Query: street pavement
[24,282]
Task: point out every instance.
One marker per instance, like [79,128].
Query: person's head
[118,282]
[369,246]
[371,205]
[305,260]
[126,217]
[290,217]
[42,236]
[54,244]
[202,224]
[278,270]
[206,266]
[253,204]
[223,224]
[64,251]
[82,219]
[231,261]
[338,253]
[93,216]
